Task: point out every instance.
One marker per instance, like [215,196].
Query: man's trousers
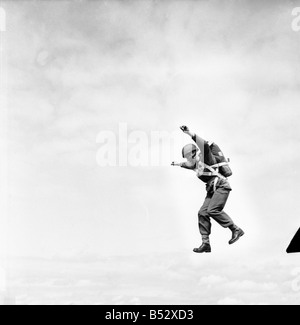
[213,208]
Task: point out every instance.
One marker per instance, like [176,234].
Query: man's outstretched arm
[184,164]
[176,164]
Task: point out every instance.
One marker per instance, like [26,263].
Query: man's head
[189,152]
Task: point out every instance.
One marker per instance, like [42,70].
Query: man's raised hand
[184,129]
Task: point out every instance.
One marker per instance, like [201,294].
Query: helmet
[189,148]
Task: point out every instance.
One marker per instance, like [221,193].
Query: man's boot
[236,234]
[204,248]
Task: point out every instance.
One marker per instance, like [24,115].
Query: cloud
[229,301]
[249,285]
[149,279]
[212,280]
[135,301]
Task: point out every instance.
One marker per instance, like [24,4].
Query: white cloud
[84,283]
[249,285]
[229,301]
[135,301]
[212,280]
[150,279]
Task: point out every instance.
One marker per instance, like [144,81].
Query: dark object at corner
[294,246]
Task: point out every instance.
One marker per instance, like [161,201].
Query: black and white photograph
[149,154]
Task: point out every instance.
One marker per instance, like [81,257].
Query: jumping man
[207,160]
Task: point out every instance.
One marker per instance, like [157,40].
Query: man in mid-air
[211,167]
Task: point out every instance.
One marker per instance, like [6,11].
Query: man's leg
[204,220]
[215,211]
[216,206]
[204,227]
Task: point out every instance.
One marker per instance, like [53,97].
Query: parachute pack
[222,164]
[221,169]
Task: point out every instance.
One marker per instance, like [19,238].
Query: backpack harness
[212,170]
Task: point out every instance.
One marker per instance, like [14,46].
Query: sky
[74,69]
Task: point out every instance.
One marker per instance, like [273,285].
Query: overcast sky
[229,70]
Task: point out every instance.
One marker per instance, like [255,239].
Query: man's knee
[202,215]
[213,212]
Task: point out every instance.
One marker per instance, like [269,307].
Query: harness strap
[215,183]
[214,172]
[208,174]
[220,164]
